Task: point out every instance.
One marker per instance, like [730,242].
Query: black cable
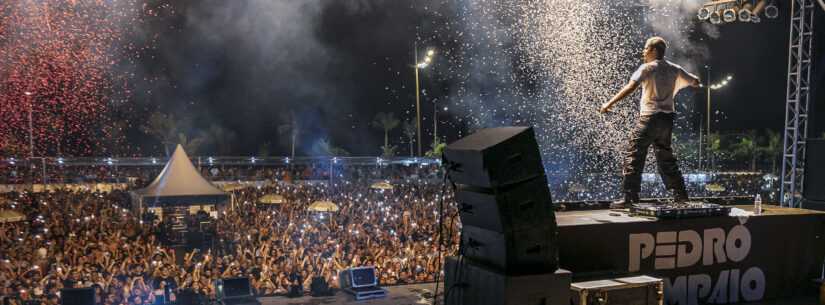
[440,231]
[448,168]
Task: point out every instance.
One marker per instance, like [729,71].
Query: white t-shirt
[660,80]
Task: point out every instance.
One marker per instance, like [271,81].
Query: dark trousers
[653,129]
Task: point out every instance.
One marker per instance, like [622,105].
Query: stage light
[704,12]
[430,53]
[771,10]
[745,12]
[716,17]
[729,15]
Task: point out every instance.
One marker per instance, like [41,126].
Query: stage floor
[421,294]
[591,217]
[416,294]
[616,222]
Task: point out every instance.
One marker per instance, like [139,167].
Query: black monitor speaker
[494,157]
[77,296]
[508,222]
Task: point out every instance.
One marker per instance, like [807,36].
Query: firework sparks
[550,64]
[58,62]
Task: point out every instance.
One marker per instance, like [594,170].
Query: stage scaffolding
[796,106]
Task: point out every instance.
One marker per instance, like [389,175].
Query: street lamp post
[419,65]
[31,139]
[31,124]
[710,87]
[435,123]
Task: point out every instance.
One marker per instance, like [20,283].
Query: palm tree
[714,148]
[220,138]
[326,148]
[410,132]
[164,128]
[292,128]
[387,122]
[191,146]
[773,149]
[436,149]
[264,150]
[747,148]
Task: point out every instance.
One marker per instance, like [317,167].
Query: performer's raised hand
[605,108]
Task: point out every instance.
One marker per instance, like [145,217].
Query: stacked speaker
[508,237]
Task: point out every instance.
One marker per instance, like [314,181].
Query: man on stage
[660,80]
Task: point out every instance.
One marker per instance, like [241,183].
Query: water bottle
[757,205]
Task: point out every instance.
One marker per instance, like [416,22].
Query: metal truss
[796,105]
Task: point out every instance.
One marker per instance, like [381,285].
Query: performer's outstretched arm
[626,90]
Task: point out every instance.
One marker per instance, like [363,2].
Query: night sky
[245,65]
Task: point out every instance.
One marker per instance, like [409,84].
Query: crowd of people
[88,239]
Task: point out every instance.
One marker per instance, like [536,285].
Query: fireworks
[62,61]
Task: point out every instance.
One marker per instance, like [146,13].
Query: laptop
[362,283]
[235,291]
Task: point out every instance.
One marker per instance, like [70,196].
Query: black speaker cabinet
[468,283]
[814,188]
[77,296]
[494,157]
[516,207]
[519,252]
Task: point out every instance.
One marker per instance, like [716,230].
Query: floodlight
[704,12]
[745,12]
[729,15]
[716,17]
[771,10]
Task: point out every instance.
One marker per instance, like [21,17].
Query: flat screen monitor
[363,277]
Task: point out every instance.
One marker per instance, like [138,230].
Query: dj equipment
[235,291]
[814,188]
[470,283]
[361,282]
[683,210]
[637,290]
[77,296]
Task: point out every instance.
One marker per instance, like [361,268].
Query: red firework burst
[62,61]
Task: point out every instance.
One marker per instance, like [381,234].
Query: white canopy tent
[179,184]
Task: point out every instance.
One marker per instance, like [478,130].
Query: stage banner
[716,260]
